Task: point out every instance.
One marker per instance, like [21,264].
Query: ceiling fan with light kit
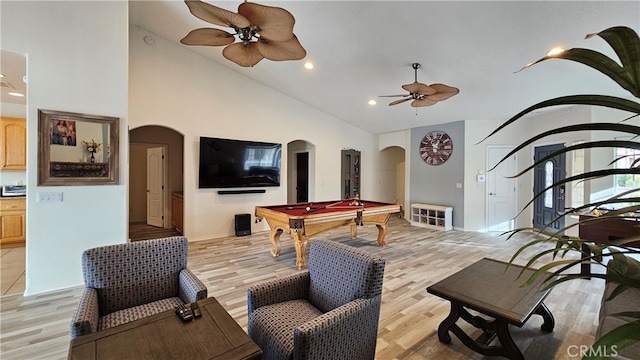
[422,94]
[265,32]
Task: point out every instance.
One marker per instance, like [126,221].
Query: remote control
[195,309]
[184,313]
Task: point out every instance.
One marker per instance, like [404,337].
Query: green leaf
[616,340]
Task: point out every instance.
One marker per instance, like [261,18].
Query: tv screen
[227,163]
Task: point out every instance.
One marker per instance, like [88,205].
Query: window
[548,181]
[624,158]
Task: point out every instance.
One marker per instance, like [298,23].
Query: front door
[155,186]
[548,205]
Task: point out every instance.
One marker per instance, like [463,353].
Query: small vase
[93,159]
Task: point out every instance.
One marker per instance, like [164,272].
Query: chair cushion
[272,326]
[609,320]
[137,312]
[132,274]
[340,274]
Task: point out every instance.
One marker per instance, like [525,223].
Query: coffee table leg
[445,325]
[549,321]
[508,345]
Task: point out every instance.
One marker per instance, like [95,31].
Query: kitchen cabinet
[13,137]
[13,214]
[177,211]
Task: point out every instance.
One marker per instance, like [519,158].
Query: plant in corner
[622,269]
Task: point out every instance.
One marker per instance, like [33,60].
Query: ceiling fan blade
[423,102]
[275,23]
[399,101]
[281,50]
[419,88]
[208,36]
[242,55]
[216,15]
[443,92]
[394,95]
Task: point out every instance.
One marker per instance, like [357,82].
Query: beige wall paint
[173,87]
[76,62]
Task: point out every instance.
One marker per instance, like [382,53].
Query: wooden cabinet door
[177,211]
[13,137]
[12,221]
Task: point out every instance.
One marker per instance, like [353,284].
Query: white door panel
[500,190]
[155,186]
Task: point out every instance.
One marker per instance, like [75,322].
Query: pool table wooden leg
[275,241]
[301,252]
[382,232]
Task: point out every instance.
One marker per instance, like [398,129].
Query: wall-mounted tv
[228,163]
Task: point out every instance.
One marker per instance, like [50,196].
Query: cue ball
[308,208]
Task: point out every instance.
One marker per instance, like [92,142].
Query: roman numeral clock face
[436,147]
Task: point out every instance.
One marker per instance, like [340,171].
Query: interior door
[500,190]
[302,177]
[155,186]
[547,206]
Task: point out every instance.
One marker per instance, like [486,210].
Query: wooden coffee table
[486,288]
[215,335]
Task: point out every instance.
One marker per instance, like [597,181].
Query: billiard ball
[308,208]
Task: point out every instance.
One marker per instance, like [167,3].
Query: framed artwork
[63,132]
[63,162]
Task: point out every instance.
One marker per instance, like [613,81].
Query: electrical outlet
[49,197]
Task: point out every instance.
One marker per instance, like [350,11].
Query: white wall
[172,86]
[77,62]
[518,132]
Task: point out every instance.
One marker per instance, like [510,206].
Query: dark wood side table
[486,288]
[603,231]
[215,335]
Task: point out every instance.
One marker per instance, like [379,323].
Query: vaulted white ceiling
[362,49]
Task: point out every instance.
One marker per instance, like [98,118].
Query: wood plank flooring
[37,327]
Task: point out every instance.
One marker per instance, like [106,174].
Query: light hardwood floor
[37,327]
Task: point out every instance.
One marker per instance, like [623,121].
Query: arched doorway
[155,162]
[300,171]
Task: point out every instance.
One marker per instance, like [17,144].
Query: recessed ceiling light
[1,75]
[372,102]
[555,51]
[15,94]
[308,65]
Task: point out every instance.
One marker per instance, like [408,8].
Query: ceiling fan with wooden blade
[422,94]
[263,31]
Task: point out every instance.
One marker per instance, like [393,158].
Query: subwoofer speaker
[243,224]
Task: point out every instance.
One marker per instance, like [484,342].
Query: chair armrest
[350,329]
[292,287]
[85,319]
[190,287]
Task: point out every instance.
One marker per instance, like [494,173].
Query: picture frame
[67,160]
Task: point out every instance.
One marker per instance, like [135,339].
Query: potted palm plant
[616,256]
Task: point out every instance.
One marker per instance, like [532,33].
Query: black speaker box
[243,224]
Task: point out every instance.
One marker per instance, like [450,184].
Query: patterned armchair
[330,311]
[130,281]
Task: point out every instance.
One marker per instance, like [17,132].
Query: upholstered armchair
[130,281]
[329,311]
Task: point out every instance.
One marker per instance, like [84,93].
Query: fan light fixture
[263,31]
[422,94]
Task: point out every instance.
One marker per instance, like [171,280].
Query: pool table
[305,220]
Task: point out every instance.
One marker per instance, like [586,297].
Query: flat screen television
[228,163]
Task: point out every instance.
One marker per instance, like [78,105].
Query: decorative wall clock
[436,147]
